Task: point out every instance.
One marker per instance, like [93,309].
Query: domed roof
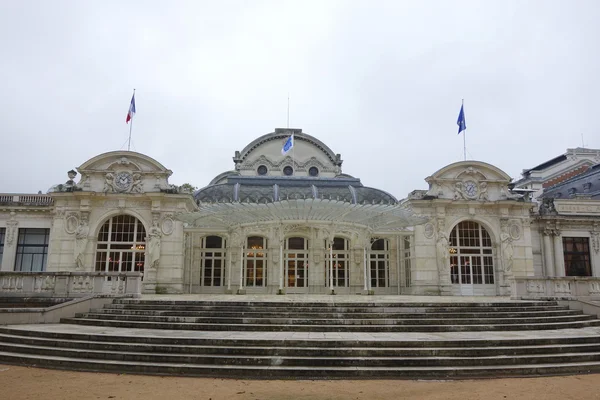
[249,189]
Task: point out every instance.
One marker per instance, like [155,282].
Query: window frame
[569,254]
[21,247]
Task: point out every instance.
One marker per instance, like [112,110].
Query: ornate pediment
[123,172]
[469,180]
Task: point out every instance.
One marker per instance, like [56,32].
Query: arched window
[121,245]
[256,261]
[380,263]
[471,260]
[212,258]
[341,262]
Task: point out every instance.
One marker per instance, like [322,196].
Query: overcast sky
[380,82]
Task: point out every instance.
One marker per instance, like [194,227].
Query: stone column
[10,245]
[548,253]
[241,288]
[559,260]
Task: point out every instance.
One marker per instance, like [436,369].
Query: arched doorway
[471,260]
[296,265]
[121,245]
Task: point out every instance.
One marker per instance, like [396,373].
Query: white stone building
[295,223]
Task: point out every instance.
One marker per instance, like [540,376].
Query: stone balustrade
[25,199]
[70,284]
[565,288]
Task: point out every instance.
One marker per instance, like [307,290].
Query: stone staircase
[314,340]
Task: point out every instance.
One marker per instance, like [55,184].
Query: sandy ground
[32,383]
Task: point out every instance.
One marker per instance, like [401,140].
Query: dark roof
[546,164]
[586,185]
[252,189]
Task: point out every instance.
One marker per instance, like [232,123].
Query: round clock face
[470,189]
[123,180]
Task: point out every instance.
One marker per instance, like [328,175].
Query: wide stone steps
[362,315]
[299,372]
[340,320]
[304,348]
[311,340]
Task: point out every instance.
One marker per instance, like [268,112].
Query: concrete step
[339,320]
[304,372]
[306,361]
[299,314]
[325,349]
[333,303]
[328,327]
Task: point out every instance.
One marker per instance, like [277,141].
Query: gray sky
[380,82]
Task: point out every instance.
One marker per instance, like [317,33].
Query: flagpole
[130,127]
[464,133]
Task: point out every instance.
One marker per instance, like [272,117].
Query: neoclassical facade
[294,223]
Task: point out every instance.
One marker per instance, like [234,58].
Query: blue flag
[287,146]
[462,125]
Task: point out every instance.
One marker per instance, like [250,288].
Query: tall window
[471,260]
[341,263]
[121,245]
[2,235]
[296,262]
[32,249]
[407,262]
[256,261]
[380,263]
[213,261]
[577,256]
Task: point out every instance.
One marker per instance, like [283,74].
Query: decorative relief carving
[514,230]
[153,242]
[442,248]
[536,287]
[429,230]
[168,225]
[483,191]
[136,186]
[507,246]
[11,230]
[595,237]
[109,183]
[71,222]
[81,240]
[139,204]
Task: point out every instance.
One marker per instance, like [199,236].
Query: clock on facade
[123,181]
[470,189]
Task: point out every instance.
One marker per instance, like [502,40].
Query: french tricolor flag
[131,112]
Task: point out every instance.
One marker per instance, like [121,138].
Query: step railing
[561,288]
[70,284]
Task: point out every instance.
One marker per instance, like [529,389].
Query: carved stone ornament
[71,223]
[514,230]
[429,230]
[595,236]
[11,231]
[168,225]
[109,183]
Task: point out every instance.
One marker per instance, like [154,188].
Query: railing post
[133,283]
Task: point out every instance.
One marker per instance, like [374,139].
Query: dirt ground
[18,383]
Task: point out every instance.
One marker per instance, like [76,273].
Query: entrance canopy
[380,217]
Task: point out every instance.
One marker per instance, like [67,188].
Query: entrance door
[466,275]
[296,265]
